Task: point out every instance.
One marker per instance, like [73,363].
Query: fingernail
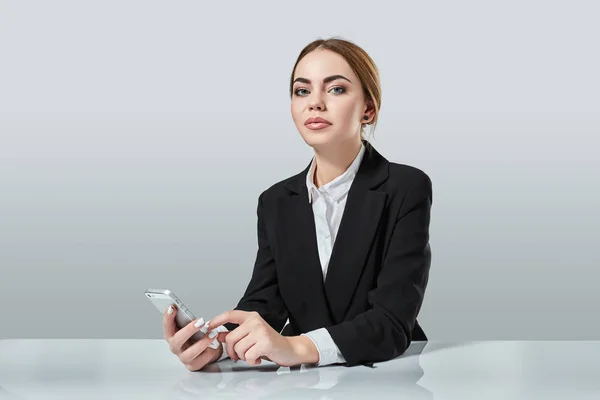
[204,329]
[213,333]
[199,323]
[170,311]
[214,345]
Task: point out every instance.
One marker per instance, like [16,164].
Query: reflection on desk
[228,380]
[129,369]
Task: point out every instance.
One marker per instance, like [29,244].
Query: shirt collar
[338,187]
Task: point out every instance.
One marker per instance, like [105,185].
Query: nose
[317,105]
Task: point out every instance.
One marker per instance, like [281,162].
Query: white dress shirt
[328,203]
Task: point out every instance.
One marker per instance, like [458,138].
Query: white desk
[145,369]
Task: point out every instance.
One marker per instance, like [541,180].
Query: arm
[383,332]
[328,352]
[262,293]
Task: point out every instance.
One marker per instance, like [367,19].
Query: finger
[184,334]
[232,316]
[212,337]
[192,352]
[252,355]
[200,362]
[242,346]
[169,328]
[232,338]
[222,336]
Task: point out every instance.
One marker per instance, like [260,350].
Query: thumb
[169,325]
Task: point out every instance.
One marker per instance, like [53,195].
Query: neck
[332,161]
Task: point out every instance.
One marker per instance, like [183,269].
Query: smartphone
[163,298]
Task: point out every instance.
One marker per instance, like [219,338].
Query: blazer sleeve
[384,331]
[262,293]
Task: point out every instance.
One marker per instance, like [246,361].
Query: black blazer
[377,273]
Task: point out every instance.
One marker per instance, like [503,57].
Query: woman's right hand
[194,355]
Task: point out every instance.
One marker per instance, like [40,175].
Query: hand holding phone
[163,298]
[186,336]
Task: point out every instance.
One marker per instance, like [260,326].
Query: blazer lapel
[358,227]
[298,242]
[329,300]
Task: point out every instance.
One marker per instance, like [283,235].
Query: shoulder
[408,175]
[408,186]
[405,177]
[401,178]
[279,189]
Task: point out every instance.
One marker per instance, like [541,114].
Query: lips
[316,120]
[316,123]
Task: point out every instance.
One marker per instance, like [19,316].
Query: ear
[369,111]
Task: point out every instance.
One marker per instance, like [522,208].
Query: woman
[355,302]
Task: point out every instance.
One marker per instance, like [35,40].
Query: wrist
[305,349]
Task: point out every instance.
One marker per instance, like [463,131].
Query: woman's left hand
[254,339]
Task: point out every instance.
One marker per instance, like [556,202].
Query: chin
[316,138]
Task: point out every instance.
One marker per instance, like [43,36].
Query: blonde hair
[362,65]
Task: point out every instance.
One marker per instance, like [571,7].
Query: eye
[341,90]
[296,92]
[339,87]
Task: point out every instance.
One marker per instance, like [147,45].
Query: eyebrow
[326,80]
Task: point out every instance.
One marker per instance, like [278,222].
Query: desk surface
[131,369]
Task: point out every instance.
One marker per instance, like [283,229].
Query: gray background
[136,137]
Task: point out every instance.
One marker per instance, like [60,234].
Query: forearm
[372,336]
[262,293]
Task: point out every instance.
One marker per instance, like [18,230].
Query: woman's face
[339,100]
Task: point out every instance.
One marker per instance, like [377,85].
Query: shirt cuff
[328,351]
